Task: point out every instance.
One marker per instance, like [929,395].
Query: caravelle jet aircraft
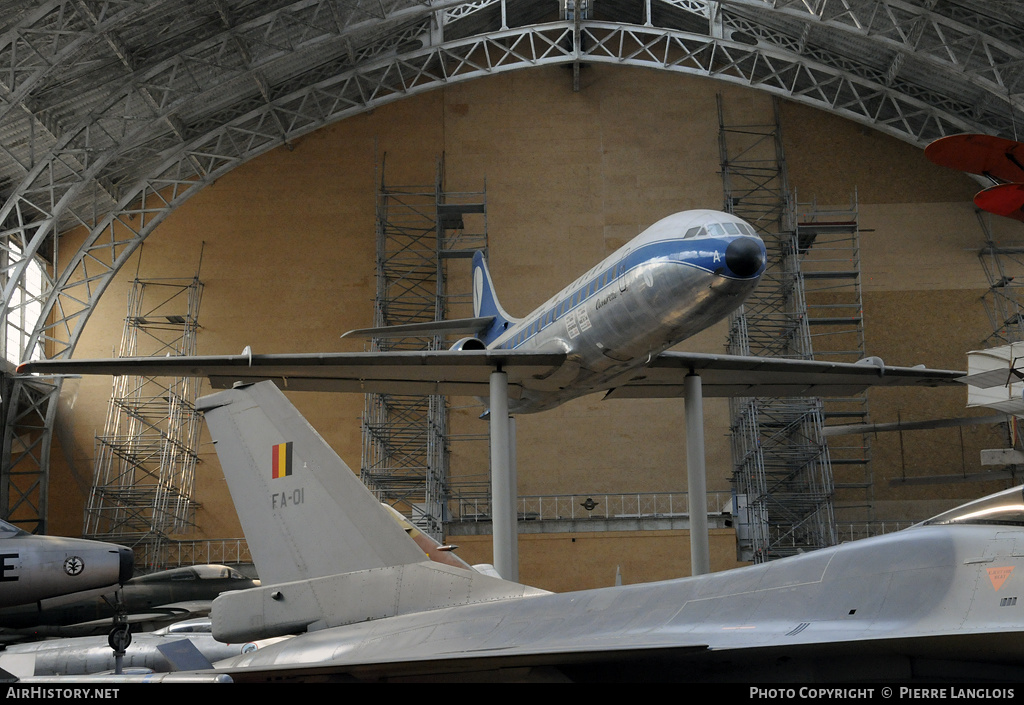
[936,601]
[46,569]
[607,331]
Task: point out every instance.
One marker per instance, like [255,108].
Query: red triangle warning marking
[998,576]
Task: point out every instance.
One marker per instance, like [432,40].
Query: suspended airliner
[47,569]
[606,332]
[938,601]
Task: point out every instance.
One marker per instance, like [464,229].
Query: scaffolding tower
[144,472]
[421,230]
[1004,301]
[828,238]
[782,475]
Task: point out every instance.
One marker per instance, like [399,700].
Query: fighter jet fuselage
[155,598]
[931,602]
[937,600]
[34,568]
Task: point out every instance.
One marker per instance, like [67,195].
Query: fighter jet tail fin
[304,513]
[326,550]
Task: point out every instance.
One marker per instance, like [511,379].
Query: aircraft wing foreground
[466,372]
[938,600]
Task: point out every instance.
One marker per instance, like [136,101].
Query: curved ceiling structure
[114,112]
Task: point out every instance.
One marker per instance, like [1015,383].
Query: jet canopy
[1006,507]
[194,572]
[8,531]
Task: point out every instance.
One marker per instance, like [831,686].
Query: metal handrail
[594,506]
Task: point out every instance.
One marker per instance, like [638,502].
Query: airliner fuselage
[681,275]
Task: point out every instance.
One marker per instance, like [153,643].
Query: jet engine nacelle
[470,343]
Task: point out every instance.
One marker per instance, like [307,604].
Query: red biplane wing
[979,154]
[1005,199]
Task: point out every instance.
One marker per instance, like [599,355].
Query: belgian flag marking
[282,462]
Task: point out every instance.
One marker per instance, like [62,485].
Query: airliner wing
[455,372]
[748,376]
[465,372]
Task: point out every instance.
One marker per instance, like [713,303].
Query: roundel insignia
[478,289]
[73,565]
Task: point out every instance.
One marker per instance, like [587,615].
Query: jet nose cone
[126,564]
[745,256]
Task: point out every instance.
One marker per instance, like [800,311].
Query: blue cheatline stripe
[665,250]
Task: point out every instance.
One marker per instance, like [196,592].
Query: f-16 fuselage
[936,601]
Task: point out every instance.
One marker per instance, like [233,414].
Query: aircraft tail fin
[485,301]
[328,553]
[292,492]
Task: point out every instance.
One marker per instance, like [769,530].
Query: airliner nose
[745,256]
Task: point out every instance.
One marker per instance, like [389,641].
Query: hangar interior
[245,143]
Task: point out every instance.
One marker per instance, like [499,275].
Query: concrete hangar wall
[288,265]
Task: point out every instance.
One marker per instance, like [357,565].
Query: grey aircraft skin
[35,568]
[936,601]
[150,601]
[92,654]
[609,331]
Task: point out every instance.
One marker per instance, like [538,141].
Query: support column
[513,476]
[503,518]
[696,477]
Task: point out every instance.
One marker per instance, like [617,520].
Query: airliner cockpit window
[731,228]
[692,232]
[716,230]
[1005,508]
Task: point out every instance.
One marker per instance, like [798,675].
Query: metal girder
[71,172]
[913,45]
[29,411]
[963,41]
